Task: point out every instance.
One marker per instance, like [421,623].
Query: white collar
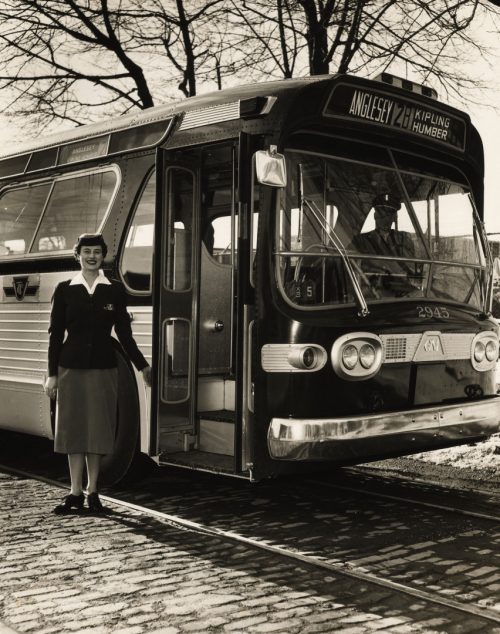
[100,279]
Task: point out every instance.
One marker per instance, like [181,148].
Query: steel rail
[398,498]
[380,473]
[336,567]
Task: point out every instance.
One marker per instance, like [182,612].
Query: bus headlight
[367,356]
[350,357]
[479,351]
[357,356]
[491,350]
[484,351]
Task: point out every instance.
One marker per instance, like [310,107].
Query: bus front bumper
[381,435]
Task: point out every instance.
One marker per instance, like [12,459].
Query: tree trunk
[188,84]
[317,39]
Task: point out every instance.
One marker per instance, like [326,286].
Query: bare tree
[429,37]
[75,59]
[266,37]
[63,59]
[177,30]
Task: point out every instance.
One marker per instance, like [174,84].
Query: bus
[238,222]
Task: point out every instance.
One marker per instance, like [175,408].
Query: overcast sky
[488,124]
[486,118]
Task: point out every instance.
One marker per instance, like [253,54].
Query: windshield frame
[483,265]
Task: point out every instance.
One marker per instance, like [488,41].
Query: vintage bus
[241,223]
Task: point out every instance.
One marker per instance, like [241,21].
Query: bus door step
[216,432]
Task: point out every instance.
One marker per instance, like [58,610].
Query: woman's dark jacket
[88,319]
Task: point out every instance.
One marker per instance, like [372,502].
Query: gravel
[475,467]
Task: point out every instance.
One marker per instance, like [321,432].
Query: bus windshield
[349,232]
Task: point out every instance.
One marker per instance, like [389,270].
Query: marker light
[393,80]
[293,357]
[307,357]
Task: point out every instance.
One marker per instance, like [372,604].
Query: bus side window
[20,211]
[77,204]
[137,258]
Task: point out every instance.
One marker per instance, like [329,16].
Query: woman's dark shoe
[94,503]
[69,503]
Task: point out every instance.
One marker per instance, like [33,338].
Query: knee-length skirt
[86,410]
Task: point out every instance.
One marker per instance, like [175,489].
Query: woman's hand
[146,375]
[50,387]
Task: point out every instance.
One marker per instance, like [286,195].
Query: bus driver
[384,240]
[388,242]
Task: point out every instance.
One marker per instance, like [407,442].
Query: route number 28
[428,312]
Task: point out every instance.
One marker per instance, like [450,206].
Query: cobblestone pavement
[448,554]
[129,573]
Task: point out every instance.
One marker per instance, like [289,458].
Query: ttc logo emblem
[432,344]
[20,285]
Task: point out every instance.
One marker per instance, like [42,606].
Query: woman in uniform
[83,371]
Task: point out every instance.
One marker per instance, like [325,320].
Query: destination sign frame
[84,150]
[356,102]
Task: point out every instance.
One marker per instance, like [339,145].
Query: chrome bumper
[381,435]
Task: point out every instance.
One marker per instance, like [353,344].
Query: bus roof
[161,113]
[347,101]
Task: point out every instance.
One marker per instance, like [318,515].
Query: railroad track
[413,479]
[413,501]
[332,566]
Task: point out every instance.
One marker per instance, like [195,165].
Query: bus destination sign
[83,150]
[396,112]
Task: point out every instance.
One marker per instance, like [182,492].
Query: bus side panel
[142,330]
[24,338]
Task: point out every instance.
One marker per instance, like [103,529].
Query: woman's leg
[76,463]
[93,468]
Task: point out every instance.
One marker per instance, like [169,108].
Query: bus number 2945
[427,312]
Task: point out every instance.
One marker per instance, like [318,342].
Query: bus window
[223,239]
[445,215]
[137,259]
[218,177]
[20,211]
[330,206]
[77,205]
[253,253]
[176,354]
[180,184]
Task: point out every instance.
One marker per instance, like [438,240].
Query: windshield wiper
[488,291]
[337,243]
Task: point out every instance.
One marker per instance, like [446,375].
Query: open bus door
[176,303]
[194,325]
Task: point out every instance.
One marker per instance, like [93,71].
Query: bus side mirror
[270,167]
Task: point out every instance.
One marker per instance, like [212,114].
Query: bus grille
[395,349]
[405,347]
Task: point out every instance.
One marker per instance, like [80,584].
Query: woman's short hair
[90,240]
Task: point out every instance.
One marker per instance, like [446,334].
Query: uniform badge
[109,306]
